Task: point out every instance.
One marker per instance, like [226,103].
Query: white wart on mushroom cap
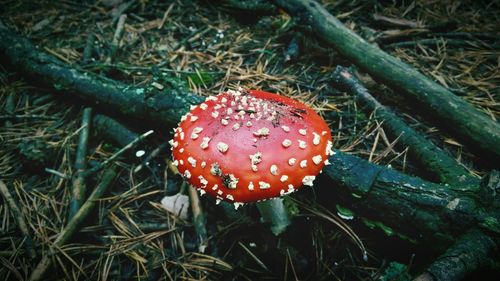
[246,146]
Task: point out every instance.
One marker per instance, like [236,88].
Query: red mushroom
[245,146]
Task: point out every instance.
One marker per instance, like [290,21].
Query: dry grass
[129,236]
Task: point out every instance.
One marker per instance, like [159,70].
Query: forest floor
[210,46]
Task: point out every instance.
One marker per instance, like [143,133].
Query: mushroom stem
[274,212]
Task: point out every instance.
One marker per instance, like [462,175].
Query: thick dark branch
[417,208]
[449,110]
[141,102]
[433,159]
[467,254]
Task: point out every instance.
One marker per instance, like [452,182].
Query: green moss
[386,229]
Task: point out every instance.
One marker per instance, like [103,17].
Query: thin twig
[117,154]
[153,154]
[116,38]
[87,51]
[199,219]
[79,187]
[73,225]
[18,215]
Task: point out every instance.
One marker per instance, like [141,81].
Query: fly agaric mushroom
[245,146]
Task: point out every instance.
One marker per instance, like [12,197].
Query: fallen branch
[422,210]
[139,102]
[467,254]
[73,225]
[79,187]
[431,158]
[116,155]
[449,110]
[199,220]
[109,128]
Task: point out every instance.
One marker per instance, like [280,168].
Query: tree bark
[449,111]
[466,255]
[430,157]
[140,102]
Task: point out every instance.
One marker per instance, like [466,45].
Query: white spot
[230,197]
[222,147]
[203,164]
[308,180]
[274,170]
[215,187]
[316,138]
[175,163]
[173,143]
[192,161]
[233,181]
[303,132]
[292,161]
[285,128]
[255,158]
[192,107]
[254,168]
[229,111]
[193,118]
[302,144]
[290,188]
[181,135]
[202,192]
[286,143]
[203,106]
[284,178]
[324,133]
[187,174]
[181,150]
[215,114]
[181,162]
[204,143]
[217,201]
[303,163]
[213,98]
[140,153]
[220,192]
[223,100]
[249,124]
[327,162]
[203,181]
[215,169]
[328,149]
[224,122]
[317,159]
[250,186]
[264,185]
[261,132]
[195,133]
[236,126]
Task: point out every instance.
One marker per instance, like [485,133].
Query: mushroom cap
[247,145]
